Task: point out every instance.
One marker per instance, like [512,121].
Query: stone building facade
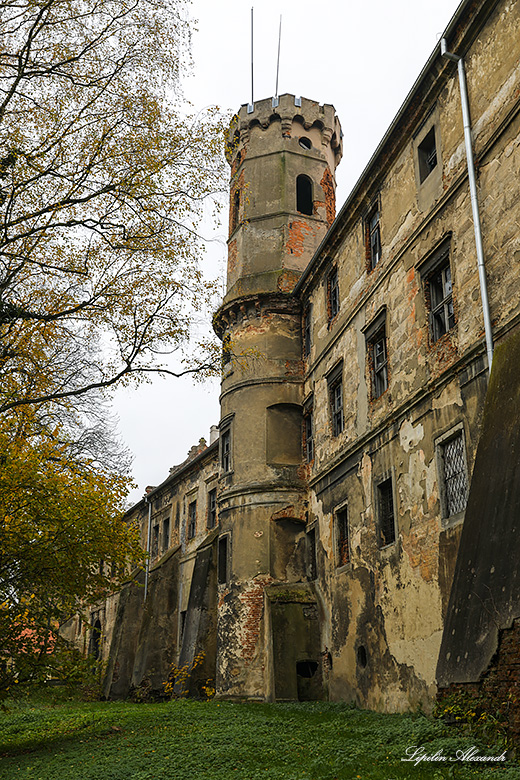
[310,551]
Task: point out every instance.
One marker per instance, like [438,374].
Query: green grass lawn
[71,740]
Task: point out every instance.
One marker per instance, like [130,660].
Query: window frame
[332,295]
[307,331]
[225,449]
[308,430]
[192,520]
[373,236]
[336,402]
[304,195]
[439,304]
[427,159]
[223,578]
[211,521]
[386,483]
[342,536]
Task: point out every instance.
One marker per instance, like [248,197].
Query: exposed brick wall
[499,687]
[253,600]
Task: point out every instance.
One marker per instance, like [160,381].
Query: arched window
[304,195]
[235,210]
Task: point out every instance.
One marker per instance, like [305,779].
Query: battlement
[288,112]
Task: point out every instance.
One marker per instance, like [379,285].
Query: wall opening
[304,202]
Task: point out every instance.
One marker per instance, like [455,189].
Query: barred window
[455,481]
[386,513]
[342,536]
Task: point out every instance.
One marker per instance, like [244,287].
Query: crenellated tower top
[283,154]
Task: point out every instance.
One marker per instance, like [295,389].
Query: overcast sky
[361,57]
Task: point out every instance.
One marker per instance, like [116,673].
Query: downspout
[148,546]
[473,193]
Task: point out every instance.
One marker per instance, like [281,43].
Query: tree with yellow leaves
[103,179]
[102,182]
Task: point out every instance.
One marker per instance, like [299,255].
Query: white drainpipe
[473,194]
[148,546]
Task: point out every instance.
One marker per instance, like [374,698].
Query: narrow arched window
[304,195]
[235,210]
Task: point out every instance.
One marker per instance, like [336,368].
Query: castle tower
[283,156]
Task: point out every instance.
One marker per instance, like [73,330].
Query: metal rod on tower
[252,90]
[278,59]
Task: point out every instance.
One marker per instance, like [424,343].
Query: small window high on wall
[304,202]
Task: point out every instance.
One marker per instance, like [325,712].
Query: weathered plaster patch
[409,435]
[450,395]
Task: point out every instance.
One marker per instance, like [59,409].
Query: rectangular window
[308,438]
[155,541]
[222,565]
[312,567]
[379,363]
[373,239]
[386,513]
[307,332]
[192,519]
[212,508]
[440,290]
[182,624]
[225,450]
[332,294]
[455,481]
[427,155]
[336,406]
[166,534]
[342,540]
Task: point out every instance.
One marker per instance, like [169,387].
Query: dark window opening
[225,450]
[222,565]
[178,516]
[96,639]
[440,288]
[312,565]
[342,537]
[455,479]
[362,656]
[235,210]
[427,155]
[212,508]
[304,202]
[308,439]
[192,519]
[336,407]
[155,541]
[373,239]
[182,624]
[306,668]
[305,142]
[379,363]
[386,513]
[166,534]
[332,295]
[307,332]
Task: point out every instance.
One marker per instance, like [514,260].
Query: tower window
[427,155]
[305,142]
[308,437]
[235,210]
[225,450]
[304,202]
[222,565]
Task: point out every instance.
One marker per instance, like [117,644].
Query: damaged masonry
[309,551]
